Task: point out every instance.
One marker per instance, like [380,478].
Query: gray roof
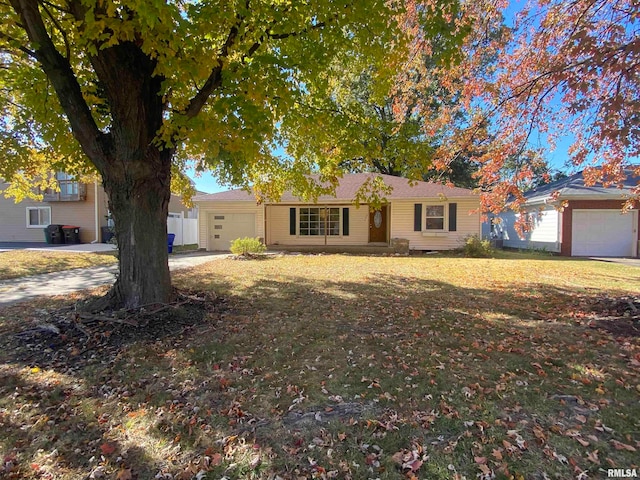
[348,187]
[573,187]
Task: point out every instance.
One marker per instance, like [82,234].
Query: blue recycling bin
[170,238]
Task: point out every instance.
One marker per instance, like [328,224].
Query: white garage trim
[604,233]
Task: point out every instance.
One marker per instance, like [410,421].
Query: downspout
[264,224]
[326,223]
[95,203]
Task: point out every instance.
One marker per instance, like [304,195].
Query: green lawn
[336,366]
[22,263]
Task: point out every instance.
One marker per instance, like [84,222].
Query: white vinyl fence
[185,230]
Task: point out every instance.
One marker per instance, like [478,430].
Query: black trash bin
[107,234]
[53,234]
[71,234]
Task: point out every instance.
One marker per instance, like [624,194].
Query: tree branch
[215,77]
[22,48]
[60,29]
[59,71]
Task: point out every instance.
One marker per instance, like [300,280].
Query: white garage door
[602,233]
[225,227]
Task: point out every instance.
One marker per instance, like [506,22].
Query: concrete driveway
[631,262]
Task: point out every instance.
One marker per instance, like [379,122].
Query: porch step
[362,249]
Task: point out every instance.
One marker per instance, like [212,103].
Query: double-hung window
[318,221]
[38,217]
[434,217]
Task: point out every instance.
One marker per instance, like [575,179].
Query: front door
[378,226]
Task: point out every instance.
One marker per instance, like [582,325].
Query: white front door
[226,227]
[603,233]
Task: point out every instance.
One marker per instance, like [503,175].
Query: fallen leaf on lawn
[539,434]
[581,418]
[601,427]
[622,446]
[107,448]
[480,460]
[582,441]
[521,442]
[484,469]
[398,457]
[508,446]
[415,465]
[593,457]
[497,454]
[124,474]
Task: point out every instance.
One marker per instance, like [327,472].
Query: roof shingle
[348,187]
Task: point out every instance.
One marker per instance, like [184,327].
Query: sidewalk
[61,283]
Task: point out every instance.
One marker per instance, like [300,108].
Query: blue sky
[206,182]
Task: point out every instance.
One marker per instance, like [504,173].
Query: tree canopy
[564,71]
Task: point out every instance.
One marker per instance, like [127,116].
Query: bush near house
[247,246]
[474,247]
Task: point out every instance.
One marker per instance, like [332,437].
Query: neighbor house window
[38,217]
[68,185]
[318,220]
[434,217]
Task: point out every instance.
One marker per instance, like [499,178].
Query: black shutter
[345,222]
[292,221]
[453,216]
[417,217]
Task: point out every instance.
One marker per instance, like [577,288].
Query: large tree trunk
[139,208]
[136,176]
[139,203]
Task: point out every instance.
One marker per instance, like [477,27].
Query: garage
[226,227]
[603,233]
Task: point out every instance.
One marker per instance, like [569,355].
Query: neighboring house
[77,204]
[591,224]
[429,215]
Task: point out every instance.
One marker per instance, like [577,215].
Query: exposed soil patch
[619,316]
[71,339]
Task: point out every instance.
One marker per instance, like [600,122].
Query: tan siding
[207,208]
[402,224]
[78,214]
[278,228]
[13,218]
[176,205]
[103,208]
